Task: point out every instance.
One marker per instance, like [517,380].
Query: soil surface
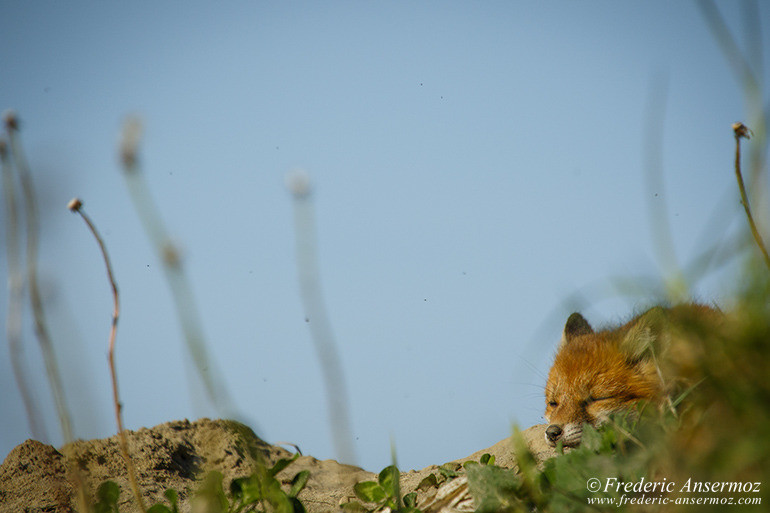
[38,478]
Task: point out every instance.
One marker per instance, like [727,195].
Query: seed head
[298,183]
[75,204]
[171,255]
[11,120]
[129,141]
[742,130]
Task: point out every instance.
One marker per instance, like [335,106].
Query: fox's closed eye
[592,399]
[553,403]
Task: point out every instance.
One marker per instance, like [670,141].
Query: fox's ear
[575,327]
[639,343]
[644,338]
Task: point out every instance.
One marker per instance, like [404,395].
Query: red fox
[595,374]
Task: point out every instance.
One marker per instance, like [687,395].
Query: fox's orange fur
[595,374]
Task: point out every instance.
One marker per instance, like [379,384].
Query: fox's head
[595,374]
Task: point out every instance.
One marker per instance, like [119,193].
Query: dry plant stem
[184,302]
[748,72]
[320,327]
[742,131]
[41,328]
[16,297]
[77,206]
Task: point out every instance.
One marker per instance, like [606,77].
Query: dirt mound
[36,478]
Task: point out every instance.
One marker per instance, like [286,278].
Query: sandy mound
[36,478]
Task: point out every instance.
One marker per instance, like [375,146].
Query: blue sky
[478,173]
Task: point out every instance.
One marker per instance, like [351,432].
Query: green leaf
[282,464]
[101,507]
[297,505]
[369,491]
[173,499]
[172,496]
[410,500]
[211,494]
[487,459]
[246,489]
[388,479]
[429,481]
[108,493]
[493,488]
[449,470]
[354,507]
[298,483]
[278,499]
[159,508]
[593,440]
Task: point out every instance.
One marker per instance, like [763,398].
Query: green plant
[173,499]
[108,493]
[620,449]
[259,492]
[107,496]
[385,493]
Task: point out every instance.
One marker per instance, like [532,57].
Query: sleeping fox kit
[597,373]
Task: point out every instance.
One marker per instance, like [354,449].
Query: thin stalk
[749,73]
[742,131]
[76,205]
[657,205]
[318,320]
[396,474]
[16,296]
[41,327]
[728,45]
[184,300]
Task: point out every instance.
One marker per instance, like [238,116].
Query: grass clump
[260,492]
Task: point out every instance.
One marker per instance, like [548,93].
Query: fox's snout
[553,433]
[568,434]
